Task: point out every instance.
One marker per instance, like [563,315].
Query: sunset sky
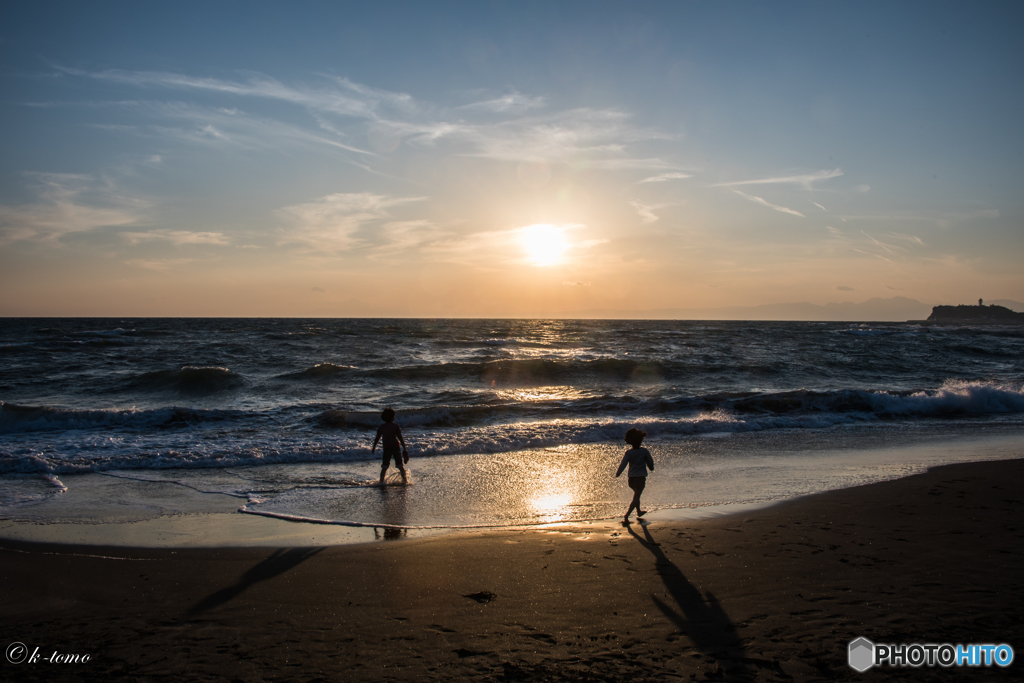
[506,159]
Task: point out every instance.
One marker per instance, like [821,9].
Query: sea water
[509,422]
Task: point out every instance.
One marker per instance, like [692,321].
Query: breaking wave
[18,419]
[176,437]
[320,371]
[189,380]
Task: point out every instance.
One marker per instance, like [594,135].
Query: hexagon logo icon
[862,654]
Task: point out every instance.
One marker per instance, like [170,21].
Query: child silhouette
[639,460]
[392,436]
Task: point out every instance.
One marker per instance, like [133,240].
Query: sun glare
[544,244]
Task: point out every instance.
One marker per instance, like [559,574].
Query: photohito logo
[863,654]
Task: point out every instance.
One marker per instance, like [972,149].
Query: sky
[493,159]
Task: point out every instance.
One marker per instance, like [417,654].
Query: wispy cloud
[590,138]
[875,255]
[891,248]
[159,265]
[404,235]
[891,218]
[511,102]
[176,237]
[903,237]
[344,98]
[331,222]
[940,218]
[819,206]
[68,203]
[645,212]
[894,248]
[762,201]
[346,112]
[804,179]
[624,164]
[484,250]
[664,177]
[231,127]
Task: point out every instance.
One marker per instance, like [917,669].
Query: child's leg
[637,484]
[635,504]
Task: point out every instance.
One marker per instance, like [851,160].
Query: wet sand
[771,595]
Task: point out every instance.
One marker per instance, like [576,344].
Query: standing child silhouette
[392,436]
[639,460]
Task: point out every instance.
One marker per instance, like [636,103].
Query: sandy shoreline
[695,480]
[773,595]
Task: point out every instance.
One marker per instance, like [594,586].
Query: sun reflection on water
[535,394]
[557,487]
[551,505]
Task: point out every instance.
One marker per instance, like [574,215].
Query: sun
[544,244]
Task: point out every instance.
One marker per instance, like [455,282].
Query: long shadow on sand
[278,563]
[702,619]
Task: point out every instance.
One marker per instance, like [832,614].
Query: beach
[196,499]
[775,594]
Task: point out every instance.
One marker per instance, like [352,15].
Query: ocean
[509,422]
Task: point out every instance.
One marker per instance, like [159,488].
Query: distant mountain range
[896,309]
[1009,303]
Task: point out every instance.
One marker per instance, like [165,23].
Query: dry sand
[773,595]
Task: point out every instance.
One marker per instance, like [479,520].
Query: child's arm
[405,451]
[622,465]
[650,461]
[375,440]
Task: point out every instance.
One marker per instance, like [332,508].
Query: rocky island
[974,315]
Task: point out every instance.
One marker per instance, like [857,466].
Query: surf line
[341,522]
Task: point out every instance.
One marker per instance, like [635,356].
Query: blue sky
[397,159]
